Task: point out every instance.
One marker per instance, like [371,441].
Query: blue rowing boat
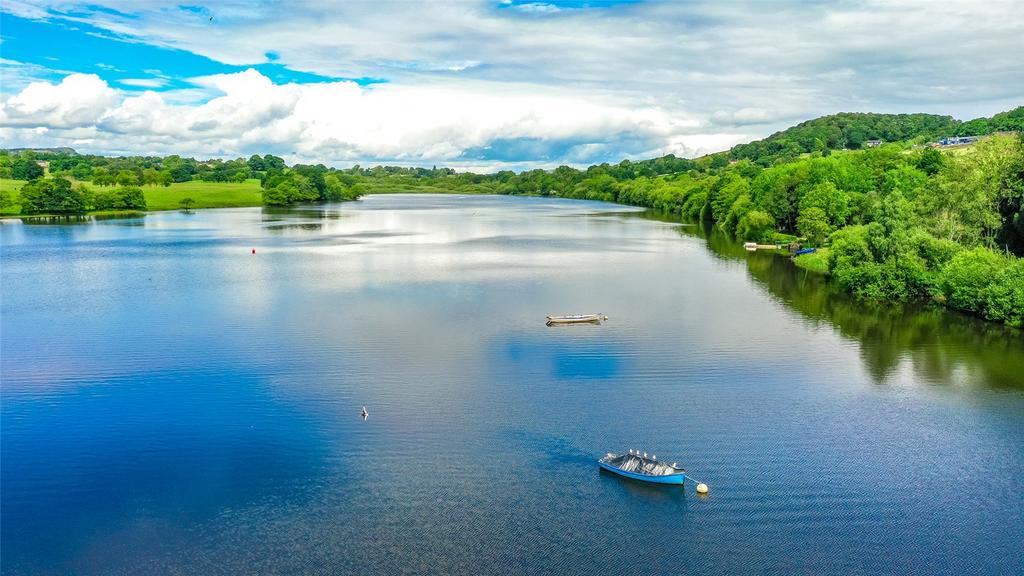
[637,466]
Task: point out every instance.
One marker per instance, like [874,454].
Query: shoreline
[815,263]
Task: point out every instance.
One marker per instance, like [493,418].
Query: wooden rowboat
[639,467]
[577,319]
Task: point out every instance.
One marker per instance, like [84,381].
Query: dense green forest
[854,130]
[894,216]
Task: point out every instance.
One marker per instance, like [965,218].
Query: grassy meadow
[815,261]
[204,194]
[11,187]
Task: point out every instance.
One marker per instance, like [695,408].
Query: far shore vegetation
[899,207]
[196,194]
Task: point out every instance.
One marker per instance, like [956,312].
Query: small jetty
[752,246]
[577,319]
[794,248]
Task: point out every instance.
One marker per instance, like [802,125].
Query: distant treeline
[132,170]
[57,195]
[283,185]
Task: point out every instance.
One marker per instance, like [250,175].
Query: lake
[173,403]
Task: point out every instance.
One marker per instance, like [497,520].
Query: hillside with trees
[846,131]
[854,130]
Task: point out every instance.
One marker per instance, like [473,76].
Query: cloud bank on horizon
[485,84]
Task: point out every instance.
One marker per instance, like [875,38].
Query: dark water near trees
[173,404]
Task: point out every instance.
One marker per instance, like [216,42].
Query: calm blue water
[173,404]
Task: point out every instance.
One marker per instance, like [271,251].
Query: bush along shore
[895,214]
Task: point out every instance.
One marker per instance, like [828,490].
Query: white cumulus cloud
[340,122]
[77,100]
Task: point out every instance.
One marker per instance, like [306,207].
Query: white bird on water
[364,413]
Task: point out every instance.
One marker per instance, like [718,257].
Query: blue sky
[58,46]
[485,84]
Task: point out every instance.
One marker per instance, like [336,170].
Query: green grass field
[205,195]
[11,187]
[815,261]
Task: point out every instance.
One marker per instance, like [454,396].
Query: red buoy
[253,250]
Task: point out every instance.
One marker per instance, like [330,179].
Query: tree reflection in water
[942,346]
